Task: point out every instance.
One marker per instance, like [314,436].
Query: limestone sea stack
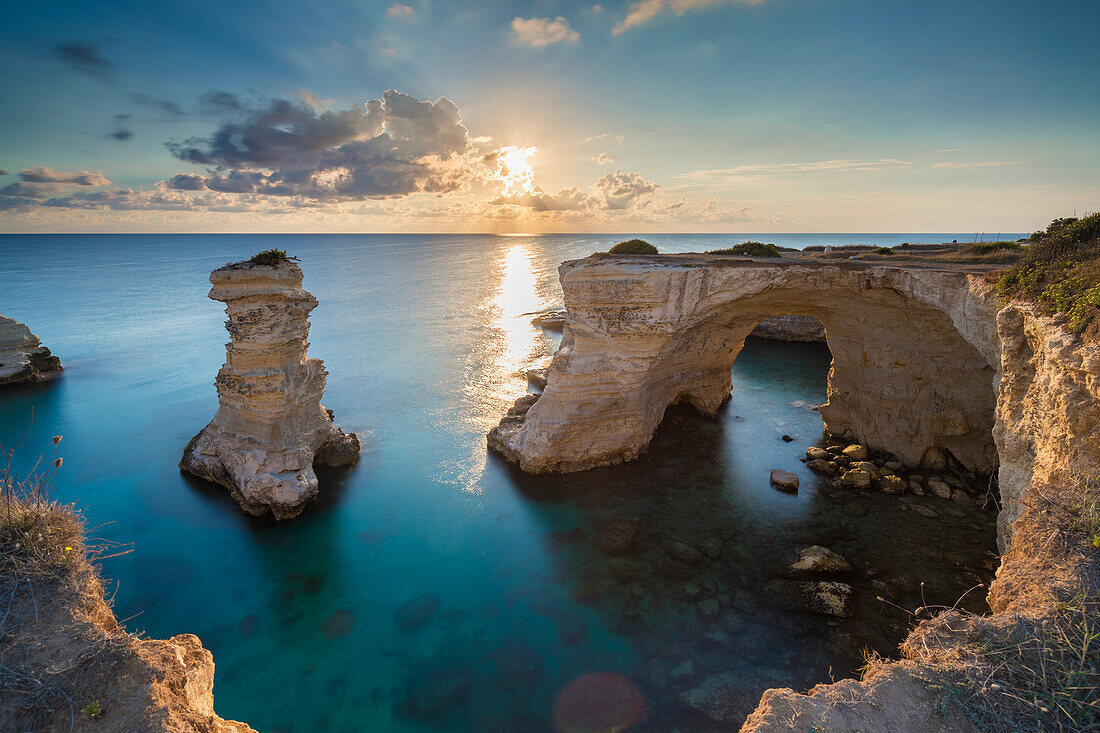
[23,358]
[270,427]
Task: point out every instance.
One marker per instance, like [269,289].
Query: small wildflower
[56,439]
[68,549]
[57,463]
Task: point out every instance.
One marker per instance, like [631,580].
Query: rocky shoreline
[23,358]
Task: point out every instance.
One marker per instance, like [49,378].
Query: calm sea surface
[424,338]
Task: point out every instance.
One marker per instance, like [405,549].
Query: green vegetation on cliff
[748,249]
[1061,273]
[633,247]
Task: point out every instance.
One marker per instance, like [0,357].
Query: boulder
[23,358]
[821,466]
[856,452]
[856,479]
[416,612]
[814,453]
[891,485]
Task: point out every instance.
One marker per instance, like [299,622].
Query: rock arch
[915,355]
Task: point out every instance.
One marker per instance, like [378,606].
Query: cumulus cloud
[401,12]
[394,146]
[643,11]
[85,57]
[624,190]
[604,159]
[540,32]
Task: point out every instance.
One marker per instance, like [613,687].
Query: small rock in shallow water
[818,559]
[821,466]
[414,613]
[784,480]
[939,488]
[818,454]
[682,551]
[891,485]
[828,598]
[787,439]
[925,511]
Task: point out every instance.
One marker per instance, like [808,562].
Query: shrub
[633,247]
[883,251]
[272,257]
[749,249]
[1061,273]
[814,248]
[982,248]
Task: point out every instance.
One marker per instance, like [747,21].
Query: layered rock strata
[23,358]
[790,328]
[270,427]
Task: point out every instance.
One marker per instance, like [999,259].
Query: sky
[548,116]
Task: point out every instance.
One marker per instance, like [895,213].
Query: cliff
[23,358]
[270,426]
[68,665]
[924,361]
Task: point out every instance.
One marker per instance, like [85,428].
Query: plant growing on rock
[271,257]
[883,251]
[633,247]
[1061,274]
[749,249]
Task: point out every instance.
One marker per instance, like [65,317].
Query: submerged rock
[619,536]
[23,358]
[818,559]
[825,597]
[270,426]
[414,613]
[724,698]
[856,479]
[939,488]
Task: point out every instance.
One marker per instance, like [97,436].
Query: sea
[434,587]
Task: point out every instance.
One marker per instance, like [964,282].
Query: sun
[514,171]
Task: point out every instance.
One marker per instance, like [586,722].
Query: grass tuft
[271,257]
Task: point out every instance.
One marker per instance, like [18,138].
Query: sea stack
[23,358]
[270,427]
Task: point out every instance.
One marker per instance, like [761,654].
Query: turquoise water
[424,338]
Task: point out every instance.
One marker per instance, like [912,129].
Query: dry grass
[44,571]
[1035,665]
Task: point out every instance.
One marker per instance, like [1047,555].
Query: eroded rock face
[270,427]
[790,328]
[23,358]
[915,355]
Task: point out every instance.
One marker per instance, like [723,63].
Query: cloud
[540,32]
[314,102]
[624,190]
[394,146]
[592,138]
[164,105]
[121,132]
[216,102]
[568,199]
[706,174]
[981,164]
[49,175]
[643,11]
[604,159]
[85,57]
[401,12]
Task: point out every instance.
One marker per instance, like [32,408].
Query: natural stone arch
[915,355]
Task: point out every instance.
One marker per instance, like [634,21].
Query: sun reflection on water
[516,299]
